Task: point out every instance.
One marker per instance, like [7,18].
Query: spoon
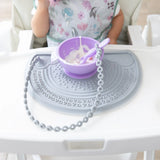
[92,51]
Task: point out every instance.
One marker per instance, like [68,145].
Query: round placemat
[51,86]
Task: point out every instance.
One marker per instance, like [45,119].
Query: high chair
[23,40]
[151,32]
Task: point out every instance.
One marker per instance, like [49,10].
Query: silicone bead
[99,69]
[100,75]
[25,95]
[57,129]
[97,56]
[26,84]
[90,114]
[49,128]
[25,101]
[73,126]
[26,107]
[32,118]
[25,89]
[85,119]
[100,82]
[29,113]
[42,125]
[29,73]
[100,89]
[79,123]
[65,128]
[93,109]
[36,122]
[98,63]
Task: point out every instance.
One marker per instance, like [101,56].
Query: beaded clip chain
[87,116]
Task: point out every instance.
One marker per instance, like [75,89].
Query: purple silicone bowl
[80,71]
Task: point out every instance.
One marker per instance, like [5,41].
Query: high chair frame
[24,40]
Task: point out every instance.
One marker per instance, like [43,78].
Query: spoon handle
[92,51]
[104,43]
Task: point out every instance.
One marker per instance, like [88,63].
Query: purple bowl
[78,71]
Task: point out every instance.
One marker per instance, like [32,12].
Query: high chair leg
[149,155]
[21,157]
[36,157]
[3,156]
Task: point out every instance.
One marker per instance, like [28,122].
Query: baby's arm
[40,21]
[117,24]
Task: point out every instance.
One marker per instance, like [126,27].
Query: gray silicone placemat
[52,87]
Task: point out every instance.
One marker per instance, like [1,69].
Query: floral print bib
[69,18]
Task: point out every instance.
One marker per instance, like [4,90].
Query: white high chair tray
[135,124]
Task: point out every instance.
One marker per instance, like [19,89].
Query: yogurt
[75,56]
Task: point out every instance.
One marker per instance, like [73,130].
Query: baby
[63,19]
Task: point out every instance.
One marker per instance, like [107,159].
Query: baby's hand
[113,41]
[43,4]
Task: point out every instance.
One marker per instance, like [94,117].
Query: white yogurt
[75,56]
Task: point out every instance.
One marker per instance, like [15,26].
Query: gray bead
[79,123]
[29,113]
[25,101]
[97,56]
[98,63]
[32,118]
[100,76]
[26,107]
[99,69]
[36,122]
[90,114]
[49,128]
[25,89]
[25,95]
[42,125]
[26,84]
[85,119]
[93,109]
[57,129]
[99,52]
[100,82]
[65,128]
[73,126]
[27,78]
[100,89]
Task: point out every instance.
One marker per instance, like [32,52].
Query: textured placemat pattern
[51,86]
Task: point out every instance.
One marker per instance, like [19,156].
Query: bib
[69,18]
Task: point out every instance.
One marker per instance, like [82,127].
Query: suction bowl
[78,71]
